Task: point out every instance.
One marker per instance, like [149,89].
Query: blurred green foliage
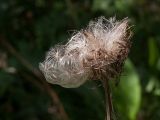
[31,27]
[128,93]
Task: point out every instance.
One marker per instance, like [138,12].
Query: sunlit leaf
[153,52]
[128,93]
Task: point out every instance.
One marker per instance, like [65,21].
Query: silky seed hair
[94,52]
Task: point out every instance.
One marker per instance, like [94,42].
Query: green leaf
[153,52]
[153,86]
[128,93]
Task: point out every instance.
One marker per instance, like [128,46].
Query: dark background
[28,28]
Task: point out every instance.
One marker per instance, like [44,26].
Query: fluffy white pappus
[62,69]
[102,46]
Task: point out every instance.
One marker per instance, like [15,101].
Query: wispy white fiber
[100,49]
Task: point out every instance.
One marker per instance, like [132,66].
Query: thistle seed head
[92,53]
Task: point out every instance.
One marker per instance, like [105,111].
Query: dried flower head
[92,53]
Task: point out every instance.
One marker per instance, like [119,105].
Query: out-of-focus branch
[51,93]
[30,79]
[4,43]
[22,60]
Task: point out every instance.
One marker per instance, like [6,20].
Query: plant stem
[108,98]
